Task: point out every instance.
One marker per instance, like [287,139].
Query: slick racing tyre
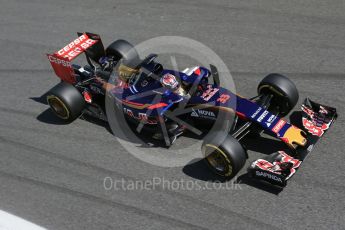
[122,49]
[66,101]
[284,91]
[225,159]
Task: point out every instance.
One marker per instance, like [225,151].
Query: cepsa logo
[58,61]
[76,47]
[279,126]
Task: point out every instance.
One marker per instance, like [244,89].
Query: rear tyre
[284,91]
[225,159]
[66,101]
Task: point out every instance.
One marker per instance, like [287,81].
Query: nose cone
[294,136]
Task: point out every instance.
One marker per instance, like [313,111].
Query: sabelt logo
[59,61]
[269,176]
[279,126]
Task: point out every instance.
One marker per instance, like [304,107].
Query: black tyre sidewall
[285,87]
[234,152]
[71,97]
[123,49]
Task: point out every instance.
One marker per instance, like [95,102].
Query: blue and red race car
[167,102]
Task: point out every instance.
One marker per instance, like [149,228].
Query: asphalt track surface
[52,174]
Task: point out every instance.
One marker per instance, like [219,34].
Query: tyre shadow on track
[49,117]
[198,169]
[265,146]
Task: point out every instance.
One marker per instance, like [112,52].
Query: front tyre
[284,91]
[225,159]
[65,101]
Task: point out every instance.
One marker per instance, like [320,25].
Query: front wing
[315,119]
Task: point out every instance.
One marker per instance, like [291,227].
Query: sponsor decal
[262,116]
[269,176]
[203,113]
[194,114]
[58,61]
[279,126]
[323,110]
[190,71]
[256,112]
[209,93]
[223,98]
[275,167]
[313,129]
[308,111]
[270,120]
[310,126]
[289,159]
[76,47]
[62,68]
[142,117]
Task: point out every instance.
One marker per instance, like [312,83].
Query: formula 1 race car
[172,100]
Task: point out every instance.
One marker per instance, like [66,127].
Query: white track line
[12,222]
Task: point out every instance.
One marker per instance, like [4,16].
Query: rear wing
[87,43]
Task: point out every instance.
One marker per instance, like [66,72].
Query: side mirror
[215,75]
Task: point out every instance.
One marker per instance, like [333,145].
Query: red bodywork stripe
[197,71]
[158,105]
[241,115]
[132,103]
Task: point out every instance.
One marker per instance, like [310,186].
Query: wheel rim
[58,107]
[219,161]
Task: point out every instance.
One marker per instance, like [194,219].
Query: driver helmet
[170,81]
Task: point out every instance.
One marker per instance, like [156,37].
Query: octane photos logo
[176,53]
[162,183]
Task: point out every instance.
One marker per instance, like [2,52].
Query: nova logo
[203,113]
[270,120]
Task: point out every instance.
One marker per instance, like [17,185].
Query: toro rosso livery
[152,96]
